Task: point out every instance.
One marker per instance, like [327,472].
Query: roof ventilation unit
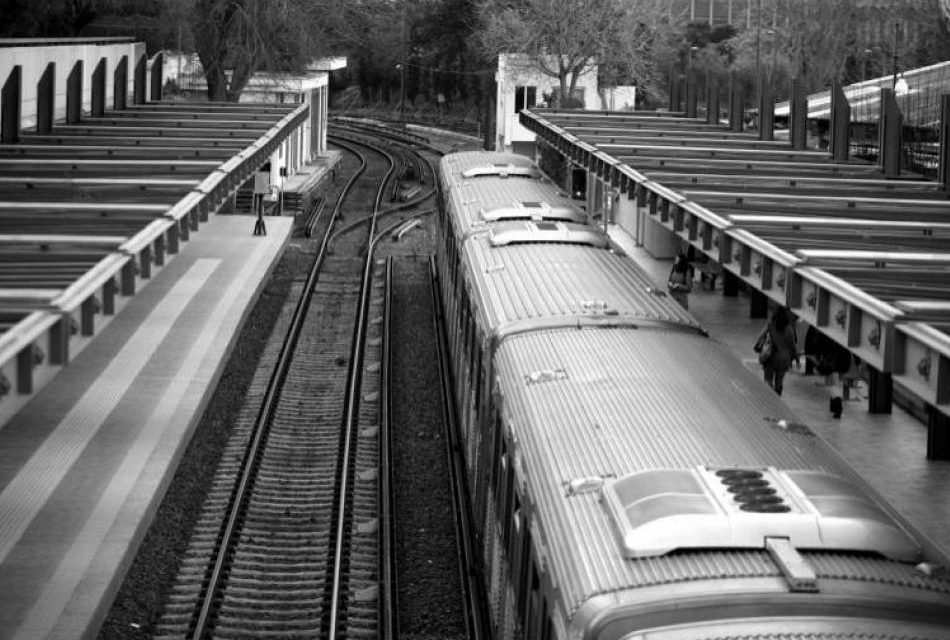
[655,512]
[532,211]
[502,171]
[545,232]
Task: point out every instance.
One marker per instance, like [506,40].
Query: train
[629,478]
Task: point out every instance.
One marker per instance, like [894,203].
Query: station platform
[85,464]
[887,450]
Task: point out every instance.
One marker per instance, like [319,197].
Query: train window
[498,450]
[522,560]
[478,377]
[473,353]
[525,97]
[507,496]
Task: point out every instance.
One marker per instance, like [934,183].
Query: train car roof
[463,165]
[476,204]
[534,284]
[640,419]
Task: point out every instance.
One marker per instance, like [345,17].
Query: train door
[499,570]
[475,432]
[536,622]
[488,426]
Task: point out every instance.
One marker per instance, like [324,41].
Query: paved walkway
[85,464]
[889,451]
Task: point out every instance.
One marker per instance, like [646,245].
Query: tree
[46,18]
[236,38]
[567,38]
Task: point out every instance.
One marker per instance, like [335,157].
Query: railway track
[287,543]
[303,563]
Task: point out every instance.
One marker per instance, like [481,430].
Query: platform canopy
[863,258]
[99,187]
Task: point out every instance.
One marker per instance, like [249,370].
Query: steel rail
[350,404]
[203,620]
[388,608]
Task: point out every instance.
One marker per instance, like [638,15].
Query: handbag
[764,347]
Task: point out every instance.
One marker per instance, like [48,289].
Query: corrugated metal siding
[627,405]
[535,281]
[842,566]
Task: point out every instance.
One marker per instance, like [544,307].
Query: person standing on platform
[777,347]
[833,362]
[680,282]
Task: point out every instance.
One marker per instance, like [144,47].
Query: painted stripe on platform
[26,494]
[45,613]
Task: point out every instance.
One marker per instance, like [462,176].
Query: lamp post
[758,35]
[402,65]
[894,66]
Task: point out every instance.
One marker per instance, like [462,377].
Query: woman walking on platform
[680,282]
[777,348]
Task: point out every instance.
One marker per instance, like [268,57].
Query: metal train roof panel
[469,164]
[564,284]
[620,405]
[478,202]
[538,231]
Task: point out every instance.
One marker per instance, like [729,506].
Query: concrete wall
[516,70]
[33,61]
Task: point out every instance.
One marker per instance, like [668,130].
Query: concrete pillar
[120,84]
[138,81]
[324,108]
[59,341]
[712,100]
[840,123]
[889,136]
[155,90]
[730,284]
[798,115]
[736,105]
[766,111]
[109,289]
[46,99]
[938,435]
[880,391]
[99,90]
[87,316]
[74,94]
[691,97]
[24,369]
[675,98]
[10,97]
[758,304]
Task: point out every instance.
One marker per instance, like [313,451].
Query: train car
[631,480]
[646,485]
[515,278]
[481,190]
[505,187]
